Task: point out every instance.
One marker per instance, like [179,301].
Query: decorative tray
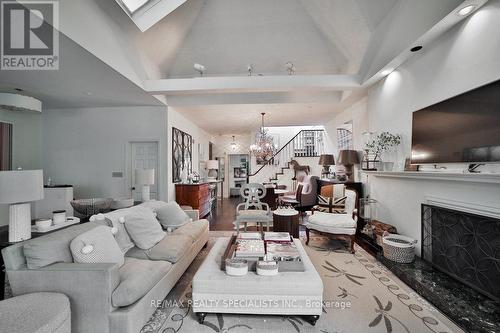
[283,266]
[69,221]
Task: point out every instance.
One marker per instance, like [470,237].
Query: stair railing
[306,143]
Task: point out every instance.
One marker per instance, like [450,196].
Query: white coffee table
[288,293]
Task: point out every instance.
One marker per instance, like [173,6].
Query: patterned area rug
[360,295]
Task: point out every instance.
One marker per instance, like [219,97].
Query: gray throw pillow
[96,246]
[116,219]
[172,216]
[143,227]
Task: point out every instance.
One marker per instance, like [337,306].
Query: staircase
[306,143]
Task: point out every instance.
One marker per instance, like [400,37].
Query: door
[144,155]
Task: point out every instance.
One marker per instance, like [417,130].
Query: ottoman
[288,293]
[36,313]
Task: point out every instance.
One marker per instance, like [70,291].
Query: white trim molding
[467,207]
[491,178]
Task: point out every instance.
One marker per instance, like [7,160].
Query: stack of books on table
[282,251]
[277,236]
[249,235]
[249,249]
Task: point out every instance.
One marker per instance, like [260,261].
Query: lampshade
[348,157]
[21,186]
[144,176]
[212,164]
[326,159]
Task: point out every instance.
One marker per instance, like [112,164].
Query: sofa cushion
[171,248]
[172,216]
[193,229]
[30,313]
[117,219]
[143,227]
[96,246]
[137,277]
[332,220]
[54,247]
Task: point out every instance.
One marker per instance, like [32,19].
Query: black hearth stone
[468,308]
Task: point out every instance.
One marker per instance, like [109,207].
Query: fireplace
[463,245]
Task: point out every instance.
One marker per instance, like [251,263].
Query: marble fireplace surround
[464,245]
[467,307]
[400,196]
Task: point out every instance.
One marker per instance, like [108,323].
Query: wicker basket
[398,248]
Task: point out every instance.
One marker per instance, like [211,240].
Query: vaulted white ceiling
[338,47]
[318,36]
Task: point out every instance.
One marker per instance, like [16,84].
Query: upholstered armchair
[306,195]
[339,225]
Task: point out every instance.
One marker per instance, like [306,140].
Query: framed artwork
[240,172]
[182,154]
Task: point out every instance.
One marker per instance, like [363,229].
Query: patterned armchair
[339,225]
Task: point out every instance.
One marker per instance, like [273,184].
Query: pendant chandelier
[263,148]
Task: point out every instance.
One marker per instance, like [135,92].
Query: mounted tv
[462,129]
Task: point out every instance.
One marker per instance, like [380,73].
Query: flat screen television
[462,129]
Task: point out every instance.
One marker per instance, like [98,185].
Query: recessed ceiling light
[467,10]
[416,48]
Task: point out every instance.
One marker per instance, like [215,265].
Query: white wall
[179,121]
[26,142]
[83,147]
[462,59]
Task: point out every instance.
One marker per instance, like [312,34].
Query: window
[133,5]
[344,137]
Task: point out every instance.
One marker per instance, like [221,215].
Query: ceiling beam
[248,84]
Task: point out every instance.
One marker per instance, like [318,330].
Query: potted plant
[383,143]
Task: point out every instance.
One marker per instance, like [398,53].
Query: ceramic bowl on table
[89,207]
[42,224]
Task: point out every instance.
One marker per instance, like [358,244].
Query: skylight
[133,5]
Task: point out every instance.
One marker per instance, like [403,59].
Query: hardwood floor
[223,217]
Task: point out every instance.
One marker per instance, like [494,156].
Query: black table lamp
[326,161]
[348,158]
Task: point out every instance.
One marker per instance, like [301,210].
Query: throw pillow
[172,216]
[331,205]
[96,246]
[154,205]
[143,228]
[116,219]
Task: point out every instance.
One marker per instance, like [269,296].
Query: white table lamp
[212,166]
[19,188]
[145,178]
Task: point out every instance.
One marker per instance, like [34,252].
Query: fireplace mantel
[491,178]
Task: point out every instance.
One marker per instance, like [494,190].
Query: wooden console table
[197,196]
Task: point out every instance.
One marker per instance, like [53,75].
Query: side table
[286,220]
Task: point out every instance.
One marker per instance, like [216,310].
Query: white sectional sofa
[105,297]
